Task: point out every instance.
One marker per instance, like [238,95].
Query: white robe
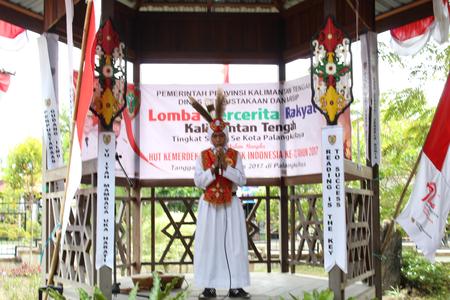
[210,261]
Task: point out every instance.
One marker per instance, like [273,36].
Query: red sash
[220,191]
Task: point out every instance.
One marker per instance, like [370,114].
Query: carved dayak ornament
[331,72]
[109,101]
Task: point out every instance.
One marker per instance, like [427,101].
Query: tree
[23,172]
[408,116]
[23,168]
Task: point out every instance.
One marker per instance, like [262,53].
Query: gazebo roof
[274,6]
[219,31]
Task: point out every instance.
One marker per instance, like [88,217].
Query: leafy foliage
[64,127]
[432,62]
[428,278]
[22,176]
[23,168]
[408,118]
[157,292]
[11,232]
[322,295]
[314,295]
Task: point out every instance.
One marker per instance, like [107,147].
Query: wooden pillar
[335,279]
[45,231]
[136,213]
[137,204]
[284,225]
[104,274]
[268,235]
[335,276]
[372,124]
[292,228]
[376,237]
[153,229]
[284,209]
[329,8]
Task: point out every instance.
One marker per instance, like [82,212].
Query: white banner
[333,189]
[105,201]
[52,138]
[274,127]
[369,57]
[69,32]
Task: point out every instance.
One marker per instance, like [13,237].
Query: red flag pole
[55,256]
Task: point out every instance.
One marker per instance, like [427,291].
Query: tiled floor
[263,286]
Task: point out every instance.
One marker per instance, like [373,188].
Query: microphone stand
[116,285]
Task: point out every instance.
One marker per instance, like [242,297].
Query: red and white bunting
[12,37]
[410,38]
[5,79]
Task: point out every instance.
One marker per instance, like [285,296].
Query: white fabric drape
[439,29]
[221,227]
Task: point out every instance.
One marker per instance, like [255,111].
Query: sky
[21,107]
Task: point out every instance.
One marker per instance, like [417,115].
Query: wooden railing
[169,244]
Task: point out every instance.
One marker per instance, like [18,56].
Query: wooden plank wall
[208,37]
[303,20]
[234,37]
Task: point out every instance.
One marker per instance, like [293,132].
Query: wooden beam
[401,9]
[21,10]
[403,15]
[204,6]
[20,16]
[329,8]
[208,38]
[136,213]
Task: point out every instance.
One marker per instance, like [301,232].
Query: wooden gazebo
[227,32]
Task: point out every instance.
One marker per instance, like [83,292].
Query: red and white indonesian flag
[425,214]
[12,37]
[410,38]
[86,91]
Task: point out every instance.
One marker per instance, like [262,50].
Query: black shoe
[208,293]
[238,293]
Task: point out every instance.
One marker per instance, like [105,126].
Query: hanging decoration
[110,67]
[331,72]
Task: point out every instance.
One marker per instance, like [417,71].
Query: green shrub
[155,294]
[314,295]
[11,232]
[427,278]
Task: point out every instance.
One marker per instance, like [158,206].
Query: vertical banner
[52,45]
[52,136]
[105,200]
[369,57]
[69,32]
[334,221]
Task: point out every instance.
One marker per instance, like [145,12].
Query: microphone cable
[225,247]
